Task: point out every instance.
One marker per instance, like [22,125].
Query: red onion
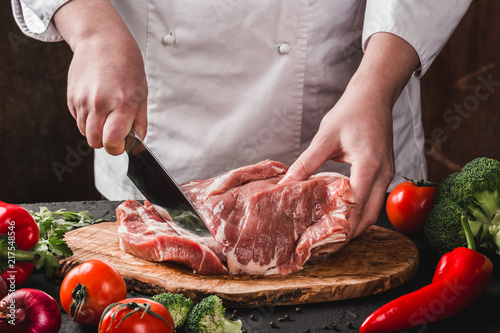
[29,311]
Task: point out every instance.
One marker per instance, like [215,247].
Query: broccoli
[478,186]
[444,188]
[177,304]
[442,229]
[208,317]
[475,191]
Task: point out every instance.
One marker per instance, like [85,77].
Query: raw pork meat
[260,227]
[145,234]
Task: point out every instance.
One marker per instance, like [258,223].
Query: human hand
[107,87]
[358,130]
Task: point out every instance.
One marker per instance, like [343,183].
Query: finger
[361,189]
[71,109]
[116,127]
[94,128]
[81,121]
[369,182]
[141,121]
[372,209]
[77,108]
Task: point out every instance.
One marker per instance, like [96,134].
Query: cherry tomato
[137,315]
[89,288]
[408,205]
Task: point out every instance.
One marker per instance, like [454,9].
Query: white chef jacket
[233,82]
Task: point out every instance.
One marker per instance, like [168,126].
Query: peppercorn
[325,327]
[307,330]
[298,310]
[252,317]
[349,325]
[281,319]
[272,324]
[287,317]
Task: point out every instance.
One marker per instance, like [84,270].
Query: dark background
[44,158]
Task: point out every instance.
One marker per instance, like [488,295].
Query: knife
[159,188]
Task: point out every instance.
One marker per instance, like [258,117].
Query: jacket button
[284,48]
[169,39]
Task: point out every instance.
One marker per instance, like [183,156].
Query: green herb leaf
[48,262]
[53,226]
[60,248]
[41,246]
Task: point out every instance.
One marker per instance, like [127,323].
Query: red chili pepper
[461,277]
[20,233]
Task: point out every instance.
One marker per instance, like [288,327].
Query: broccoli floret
[208,317]
[444,188]
[177,304]
[442,229]
[478,186]
[475,191]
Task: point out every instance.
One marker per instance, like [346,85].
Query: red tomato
[139,320]
[103,285]
[408,205]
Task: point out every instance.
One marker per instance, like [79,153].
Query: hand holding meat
[366,145]
[107,87]
[358,130]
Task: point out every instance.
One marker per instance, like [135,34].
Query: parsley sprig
[53,226]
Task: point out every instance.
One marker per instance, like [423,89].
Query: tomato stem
[420,182]
[79,295]
[135,307]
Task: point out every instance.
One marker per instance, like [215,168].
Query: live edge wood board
[378,260]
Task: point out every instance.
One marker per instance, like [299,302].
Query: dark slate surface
[346,316]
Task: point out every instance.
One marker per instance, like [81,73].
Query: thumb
[303,167]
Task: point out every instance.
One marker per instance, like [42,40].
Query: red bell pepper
[20,234]
[461,277]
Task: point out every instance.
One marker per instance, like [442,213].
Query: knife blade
[159,188]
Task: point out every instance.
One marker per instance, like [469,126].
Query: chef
[320,85]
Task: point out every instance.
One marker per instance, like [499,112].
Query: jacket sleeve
[425,24]
[34,18]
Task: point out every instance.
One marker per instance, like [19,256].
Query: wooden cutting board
[378,260]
